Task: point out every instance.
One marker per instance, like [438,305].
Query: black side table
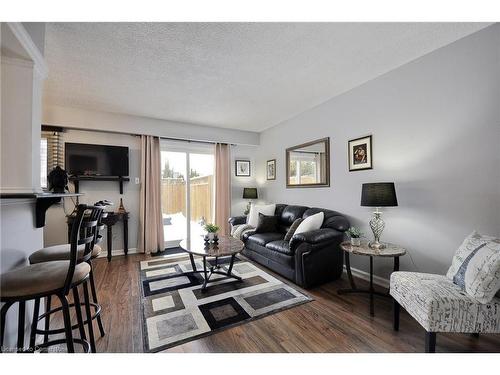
[109,221]
[391,250]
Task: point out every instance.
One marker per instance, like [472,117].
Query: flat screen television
[95,160]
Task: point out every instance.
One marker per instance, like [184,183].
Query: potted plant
[212,230]
[355,235]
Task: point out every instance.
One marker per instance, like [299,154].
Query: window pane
[43,162]
[173,196]
[202,192]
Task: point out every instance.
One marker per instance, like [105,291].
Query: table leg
[348,269]
[110,242]
[205,275]
[396,264]
[125,235]
[230,265]
[372,309]
[193,265]
[20,326]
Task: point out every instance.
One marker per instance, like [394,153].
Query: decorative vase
[355,241]
[210,236]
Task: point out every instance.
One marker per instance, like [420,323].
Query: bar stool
[57,278]
[62,252]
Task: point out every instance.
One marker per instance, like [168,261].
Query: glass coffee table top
[226,246]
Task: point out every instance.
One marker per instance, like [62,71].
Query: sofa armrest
[315,237]
[237,220]
[318,257]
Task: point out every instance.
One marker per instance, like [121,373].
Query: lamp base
[376,245]
[377,226]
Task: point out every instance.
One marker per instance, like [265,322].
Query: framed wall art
[242,168]
[360,154]
[271,169]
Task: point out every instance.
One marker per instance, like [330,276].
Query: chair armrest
[237,220]
[315,237]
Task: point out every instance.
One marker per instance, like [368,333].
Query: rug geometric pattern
[176,311]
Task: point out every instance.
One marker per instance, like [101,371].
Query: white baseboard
[380,281]
[117,252]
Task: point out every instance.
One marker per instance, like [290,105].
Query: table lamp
[249,193]
[379,194]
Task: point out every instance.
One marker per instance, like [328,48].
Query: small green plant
[354,232]
[211,228]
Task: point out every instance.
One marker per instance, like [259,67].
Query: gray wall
[436,130]
[238,204]
[55,228]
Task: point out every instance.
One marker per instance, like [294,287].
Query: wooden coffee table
[226,246]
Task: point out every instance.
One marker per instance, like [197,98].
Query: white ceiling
[247,76]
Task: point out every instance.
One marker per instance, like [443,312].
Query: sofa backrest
[287,214]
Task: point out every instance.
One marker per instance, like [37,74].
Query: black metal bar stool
[62,252]
[57,278]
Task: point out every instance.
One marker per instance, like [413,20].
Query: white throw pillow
[255,209]
[476,267]
[310,223]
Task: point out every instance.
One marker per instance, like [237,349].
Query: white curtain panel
[222,187]
[150,217]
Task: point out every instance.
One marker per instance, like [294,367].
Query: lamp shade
[249,193]
[379,194]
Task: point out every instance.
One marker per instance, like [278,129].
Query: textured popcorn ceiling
[247,76]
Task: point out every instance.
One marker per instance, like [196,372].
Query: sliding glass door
[187,190]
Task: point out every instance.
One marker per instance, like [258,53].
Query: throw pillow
[292,229]
[310,223]
[476,267]
[267,224]
[255,209]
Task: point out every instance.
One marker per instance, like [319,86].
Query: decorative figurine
[121,208]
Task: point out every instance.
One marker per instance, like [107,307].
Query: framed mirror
[308,164]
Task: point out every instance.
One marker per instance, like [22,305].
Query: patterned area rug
[176,311]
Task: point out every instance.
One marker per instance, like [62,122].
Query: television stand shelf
[76,180]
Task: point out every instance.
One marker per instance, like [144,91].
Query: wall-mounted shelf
[43,202]
[76,180]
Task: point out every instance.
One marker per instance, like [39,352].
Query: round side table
[390,251]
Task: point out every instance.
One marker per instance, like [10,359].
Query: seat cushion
[263,238]
[441,306]
[281,246]
[59,252]
[39,278]
[275,256]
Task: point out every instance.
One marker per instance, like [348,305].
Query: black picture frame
[273,163]
[361,145]
[238,171]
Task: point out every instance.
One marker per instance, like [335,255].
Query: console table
[110,221]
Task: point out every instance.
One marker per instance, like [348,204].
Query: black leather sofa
[310,258]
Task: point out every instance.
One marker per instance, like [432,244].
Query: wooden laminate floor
[330,323]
